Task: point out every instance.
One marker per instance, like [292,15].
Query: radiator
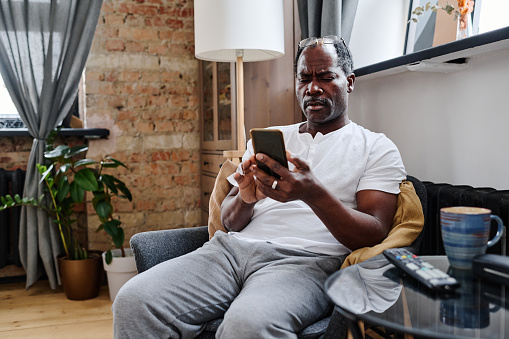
[11,182]
[446,195]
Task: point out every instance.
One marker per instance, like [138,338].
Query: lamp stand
[236,155]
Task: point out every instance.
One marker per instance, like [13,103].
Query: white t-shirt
[345,161]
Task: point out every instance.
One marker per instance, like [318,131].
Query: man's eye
[302,79]
[327,79]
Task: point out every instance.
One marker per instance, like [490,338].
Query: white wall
[451,127]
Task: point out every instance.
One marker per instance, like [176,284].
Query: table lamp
[238,31]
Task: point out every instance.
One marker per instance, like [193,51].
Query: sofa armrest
[152,248]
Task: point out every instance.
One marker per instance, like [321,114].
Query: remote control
[424,272]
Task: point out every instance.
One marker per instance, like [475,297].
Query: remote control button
[412,266]
[440,273]
[434,281]
[424,274]
[432,273]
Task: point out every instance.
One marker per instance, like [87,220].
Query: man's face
[322,86]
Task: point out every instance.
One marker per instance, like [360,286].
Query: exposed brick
[114,45]
[129,76]
[150,77]
[106,31]
[188,114]
[114,19]
[138,33]
[142,82]
[135,47]
[146,205]
[157,48]
[174,23]
[189,167]
[183,37]
[137,101]
[165,34]
[93,75]
[99,87]
[185,126]
[162,141]
[165,126]
[144,9]
[161,156]
[157,100]
[155,21]
[145,127]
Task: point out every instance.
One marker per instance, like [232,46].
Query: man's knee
[252,325]
[130,297]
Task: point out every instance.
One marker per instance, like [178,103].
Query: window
[9,117]
[381,30]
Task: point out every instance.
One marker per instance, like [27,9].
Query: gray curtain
[320,18]
[44,45]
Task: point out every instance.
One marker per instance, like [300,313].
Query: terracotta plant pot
[120,270]
[81,279]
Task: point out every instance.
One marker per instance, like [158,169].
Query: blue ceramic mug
[465,232]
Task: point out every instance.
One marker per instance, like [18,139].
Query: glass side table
[377,293]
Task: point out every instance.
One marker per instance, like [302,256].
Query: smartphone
[271,143]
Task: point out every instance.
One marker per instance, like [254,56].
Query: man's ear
[350,80]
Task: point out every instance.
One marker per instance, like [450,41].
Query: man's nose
[314,88]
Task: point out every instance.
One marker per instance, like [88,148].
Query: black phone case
[271,143]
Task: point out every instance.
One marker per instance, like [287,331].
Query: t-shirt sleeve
[384,168]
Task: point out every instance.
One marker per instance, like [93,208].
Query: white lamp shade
[221,27]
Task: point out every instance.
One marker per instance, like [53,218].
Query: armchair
[154,247]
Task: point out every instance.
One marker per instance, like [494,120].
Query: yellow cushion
[221,189]
[406,226]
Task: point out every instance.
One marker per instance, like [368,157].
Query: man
[286,236]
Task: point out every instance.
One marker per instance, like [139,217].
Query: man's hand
[255,184]
[293,185]
[247,186]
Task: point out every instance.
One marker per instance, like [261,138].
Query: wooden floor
[44,313]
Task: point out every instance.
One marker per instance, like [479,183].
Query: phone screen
[271,143]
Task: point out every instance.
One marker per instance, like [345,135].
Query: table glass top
[378,293]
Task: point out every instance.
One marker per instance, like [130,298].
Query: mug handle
[500,230]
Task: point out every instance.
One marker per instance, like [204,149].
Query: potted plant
[67,178]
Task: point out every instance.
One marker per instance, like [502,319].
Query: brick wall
[14,152]
[141,83]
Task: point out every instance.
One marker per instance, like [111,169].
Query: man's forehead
[319,58]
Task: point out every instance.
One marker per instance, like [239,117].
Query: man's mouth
[316,104]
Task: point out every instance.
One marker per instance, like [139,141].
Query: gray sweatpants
[262,290]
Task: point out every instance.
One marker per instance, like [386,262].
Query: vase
[464,28]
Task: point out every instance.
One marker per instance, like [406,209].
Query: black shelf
[437,51]
[89,133]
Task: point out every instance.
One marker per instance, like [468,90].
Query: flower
[465,8]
